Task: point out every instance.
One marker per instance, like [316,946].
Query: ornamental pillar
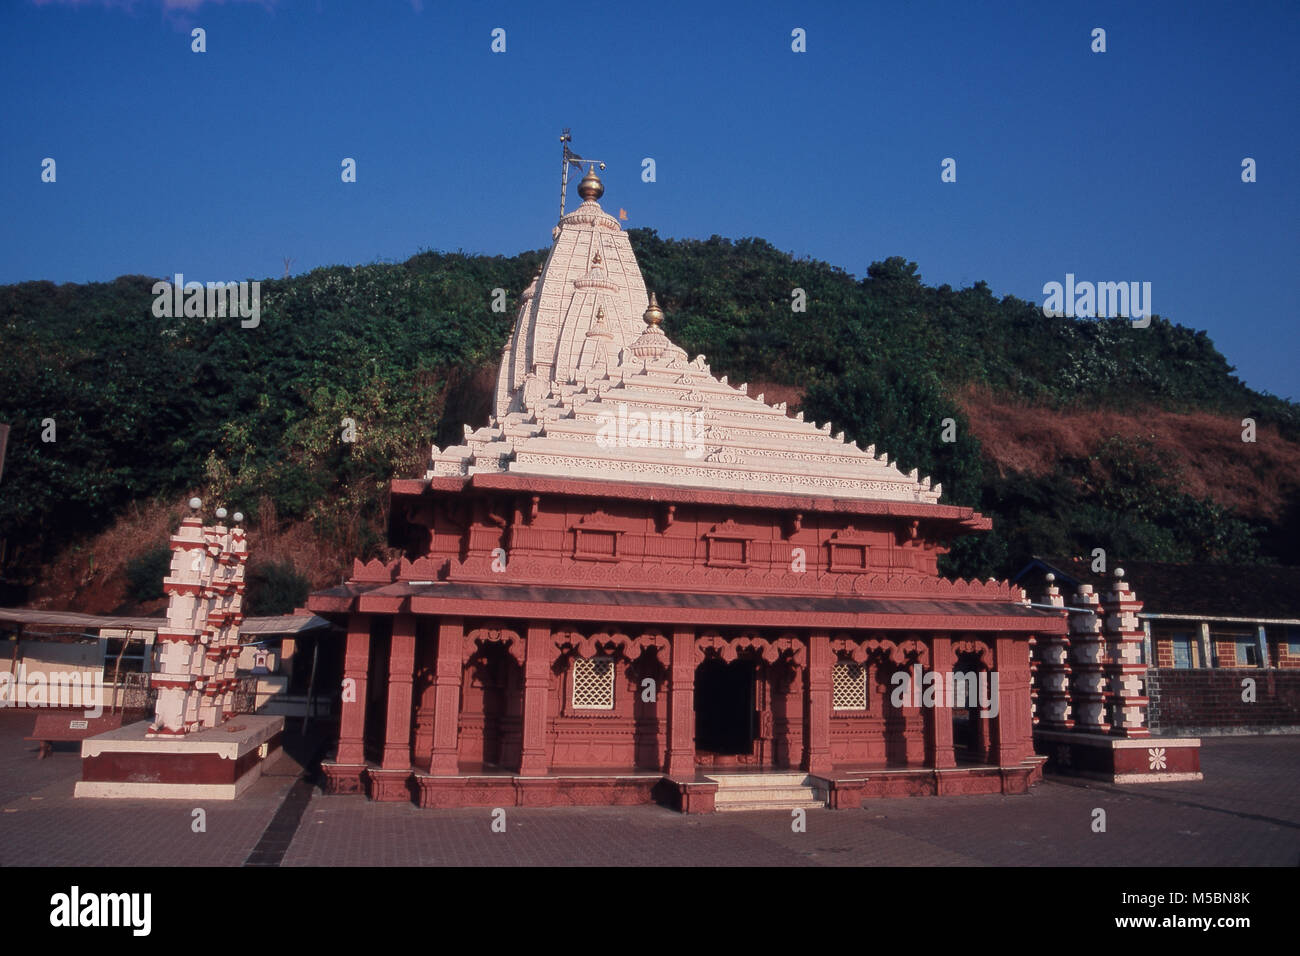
[1055,710]
[939,717]
[401,674]
[681,706]
[818,696]
[1010,695]
[446,697]
[1088,651]
[356,664]
[1124,667]
[539,652]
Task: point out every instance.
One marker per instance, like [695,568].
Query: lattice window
[593,683]
[849,686]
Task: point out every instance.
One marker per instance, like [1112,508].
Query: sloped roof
[1212,590]
[591,388]
[35,617]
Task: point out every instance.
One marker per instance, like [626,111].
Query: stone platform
[845,789]
[1120,759]
[216,764]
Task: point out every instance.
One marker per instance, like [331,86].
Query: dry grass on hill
[91,577]
[1205,449]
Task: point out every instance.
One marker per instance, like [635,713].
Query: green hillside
[146,407]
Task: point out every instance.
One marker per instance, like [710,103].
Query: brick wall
[1164,652]
[1205,701]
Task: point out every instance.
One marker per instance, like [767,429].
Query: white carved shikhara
[584,380]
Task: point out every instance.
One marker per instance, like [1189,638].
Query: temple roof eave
[834,612]
[967,519]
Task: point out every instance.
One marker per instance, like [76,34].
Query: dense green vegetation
[146,406]
[275,588]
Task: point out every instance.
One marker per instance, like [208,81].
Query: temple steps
[766,791]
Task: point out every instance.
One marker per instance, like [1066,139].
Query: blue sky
[1115,166]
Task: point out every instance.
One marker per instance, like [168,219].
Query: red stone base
[697,795]
[389,786]
[850,791]
[511,791]
[1120,760]
[689,796]
[344,777]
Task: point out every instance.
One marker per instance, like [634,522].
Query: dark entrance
[724,707]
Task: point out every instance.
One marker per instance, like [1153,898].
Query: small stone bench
[69,727]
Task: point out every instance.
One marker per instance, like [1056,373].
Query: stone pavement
[1247,813]
[41,824]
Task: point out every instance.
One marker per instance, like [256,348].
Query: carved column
[1087,656]
[818,693]
[1128,701]
[1011,697]
[356,662]
[681,706]
[1053,673]
[446,703]
[539,653]
[401,673]
[940,715]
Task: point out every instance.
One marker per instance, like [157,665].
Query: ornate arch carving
[648,640]
[477,640]
[587,646]
[973,647]
[793,650]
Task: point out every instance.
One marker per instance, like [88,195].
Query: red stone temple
[638,582]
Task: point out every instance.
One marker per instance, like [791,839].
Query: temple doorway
[724,707]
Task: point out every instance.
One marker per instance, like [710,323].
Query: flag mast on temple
[570,158]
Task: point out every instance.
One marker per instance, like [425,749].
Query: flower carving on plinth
[1156,757]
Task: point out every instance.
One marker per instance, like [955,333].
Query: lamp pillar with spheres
[199,645]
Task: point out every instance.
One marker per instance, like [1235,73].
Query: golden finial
[596,259]
[653,314]
[591,187]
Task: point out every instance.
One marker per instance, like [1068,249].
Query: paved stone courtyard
[1246,813]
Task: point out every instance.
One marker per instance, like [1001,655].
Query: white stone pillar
[1053,672]
[1087,657]
[1125,672]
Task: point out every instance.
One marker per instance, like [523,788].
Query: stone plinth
[1120,760]
[215,764]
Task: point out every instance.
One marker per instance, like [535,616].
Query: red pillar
[538,654]
[1013,722]
[681,707]
[820,662]
[352,721]
[401,672]
[940,715]
[446,703]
